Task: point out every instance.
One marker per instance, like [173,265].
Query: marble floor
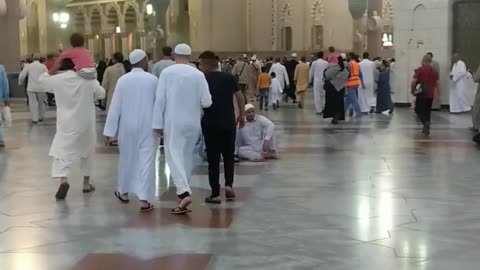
[364,195]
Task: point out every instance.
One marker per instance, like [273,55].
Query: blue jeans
[351,98]
[264,97]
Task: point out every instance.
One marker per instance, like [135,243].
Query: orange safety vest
[354,80]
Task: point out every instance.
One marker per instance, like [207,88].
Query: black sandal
[148,208]
[62,191]
[213,200]
[119,197]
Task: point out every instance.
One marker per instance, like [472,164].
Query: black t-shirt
[221,114]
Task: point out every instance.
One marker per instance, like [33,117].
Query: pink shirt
[80,56]
[332,58]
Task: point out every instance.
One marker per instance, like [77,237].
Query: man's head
[277,59]
[117,58]
[250,112]
[430,54]
[77,40]
[182,53]
[208,62]
[139,59]
[167,52]
[455,57]
[245,58]
[303,59]
[36,57]
[294,55]
[427,60]
[66,64]
[366,55]
[320,54]
[264,69]
[331,49]
[273,75]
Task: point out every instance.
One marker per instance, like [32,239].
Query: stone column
[357,9]
[124,44]
[374,46]
[10,45]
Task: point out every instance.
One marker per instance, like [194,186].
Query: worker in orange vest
[352,85]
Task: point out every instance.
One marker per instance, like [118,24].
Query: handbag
[6,117]
[420,88]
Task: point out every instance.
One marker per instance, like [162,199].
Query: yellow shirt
[263,81]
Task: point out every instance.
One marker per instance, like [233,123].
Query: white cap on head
[249,107]
[183,49]
[136,56]
[294,55]
[245,55]
[344,56]
[254,58]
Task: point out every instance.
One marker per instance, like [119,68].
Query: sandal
[91,189]
[119,197]
[2,144]
[180,211]
[62,191]
[113,144]
[213,200]
[147,208]
[230,194]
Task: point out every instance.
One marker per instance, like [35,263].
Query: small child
[80,56]
[263,85]
[275,91]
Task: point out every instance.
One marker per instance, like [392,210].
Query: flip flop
[180,211]
[213,200]
[92,189]
[62,191]
[147,209]
[119,197]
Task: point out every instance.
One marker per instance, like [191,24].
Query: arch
[80,19]
[96,19]
[130,16]
[112,17]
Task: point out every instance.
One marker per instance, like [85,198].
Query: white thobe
[76,135]
[282,75]
[253,135]
[316,76]
[275,93]
[366,93]
[35,91]
[182,93]
[458,89]
[130,115]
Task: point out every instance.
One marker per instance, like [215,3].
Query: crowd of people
[179,102]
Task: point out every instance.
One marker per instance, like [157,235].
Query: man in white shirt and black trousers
[219,125]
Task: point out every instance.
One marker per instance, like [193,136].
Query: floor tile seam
[23,250]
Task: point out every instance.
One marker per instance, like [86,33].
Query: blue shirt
[4,88]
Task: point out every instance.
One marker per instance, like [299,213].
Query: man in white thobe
[281,73]
[182,94]
[76,136]
[316,77]
[257,140]
[36,93]
[130,115]
[459,102]
[366,94]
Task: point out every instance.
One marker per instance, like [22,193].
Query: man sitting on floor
[257,141]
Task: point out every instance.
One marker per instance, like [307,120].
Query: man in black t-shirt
[219,125]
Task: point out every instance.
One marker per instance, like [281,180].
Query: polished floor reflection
[368,194]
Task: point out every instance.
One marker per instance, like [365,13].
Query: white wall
[416,33]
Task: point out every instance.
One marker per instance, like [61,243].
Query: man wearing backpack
[239,71]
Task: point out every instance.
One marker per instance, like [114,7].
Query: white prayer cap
[136,56]
[183,49]
[344,56]
[245,56]
[254,57]
[249,107]
[294,55]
